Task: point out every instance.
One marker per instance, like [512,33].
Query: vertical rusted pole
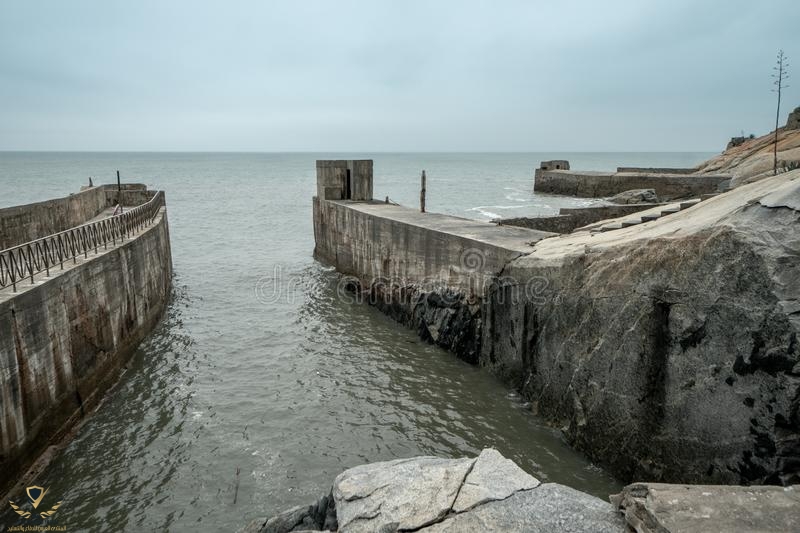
[119,193]
[422,194]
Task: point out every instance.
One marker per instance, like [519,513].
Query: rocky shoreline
[491,493]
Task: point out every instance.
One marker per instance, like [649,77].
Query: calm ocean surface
[258,365]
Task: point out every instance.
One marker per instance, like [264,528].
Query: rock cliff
[753,158]
[669,350]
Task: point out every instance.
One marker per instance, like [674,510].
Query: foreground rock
[658,508]
[487,493]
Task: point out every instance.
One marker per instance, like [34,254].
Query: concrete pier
[590,184]
[670,329]
[65,337]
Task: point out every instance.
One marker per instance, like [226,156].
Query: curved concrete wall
[63,341]
[23,223]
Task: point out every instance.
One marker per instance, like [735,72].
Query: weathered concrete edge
[58,419]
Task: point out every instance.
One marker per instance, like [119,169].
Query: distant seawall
[64,339]
[600,184]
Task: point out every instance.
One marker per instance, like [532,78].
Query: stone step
[670,210]
[610,227]
[690,203]
[650,218]
[629,223]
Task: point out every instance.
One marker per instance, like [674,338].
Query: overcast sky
[391,75]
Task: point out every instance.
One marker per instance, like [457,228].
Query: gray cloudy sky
[391,75]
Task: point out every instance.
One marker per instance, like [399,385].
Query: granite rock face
[667,351]
[549,508]
[635,196]
[486,493]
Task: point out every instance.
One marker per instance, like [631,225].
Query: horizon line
[362,151]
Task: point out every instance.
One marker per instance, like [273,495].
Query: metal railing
[26,260]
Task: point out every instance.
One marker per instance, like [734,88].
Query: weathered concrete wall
[657,170]
[23,223]
[377,240]
[131,194]
[570,219]
[555,164]
[62,342]
[428,271]
[344,179]
[599,184]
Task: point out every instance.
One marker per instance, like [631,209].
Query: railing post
[46,259]
[30,262]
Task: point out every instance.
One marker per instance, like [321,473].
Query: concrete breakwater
[65,337]
[666,351]
[668,185]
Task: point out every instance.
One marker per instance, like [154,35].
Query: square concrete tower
[344,179]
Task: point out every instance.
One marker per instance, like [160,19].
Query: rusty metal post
[422,194]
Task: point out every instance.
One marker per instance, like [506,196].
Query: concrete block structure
[344,179]
[555,164]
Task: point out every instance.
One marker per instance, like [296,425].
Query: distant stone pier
[555,177]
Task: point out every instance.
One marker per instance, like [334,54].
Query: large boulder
[635,196]
[667,351]
[431,494]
